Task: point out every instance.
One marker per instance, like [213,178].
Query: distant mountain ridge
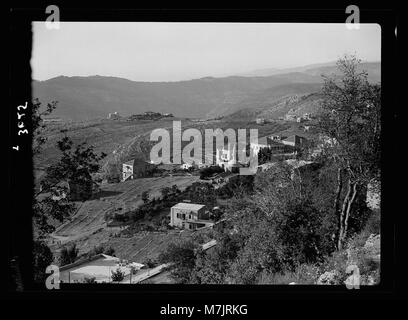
[373,68]
[96,96]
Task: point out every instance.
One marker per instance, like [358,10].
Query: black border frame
[20,176]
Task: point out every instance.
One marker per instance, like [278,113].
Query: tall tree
[52,201]
[351,118]
[62,181]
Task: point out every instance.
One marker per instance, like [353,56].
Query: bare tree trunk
[337,202]
[338,194]
[338,190]
[342,216]
[349,206]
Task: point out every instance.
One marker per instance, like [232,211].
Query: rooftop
[133,161]
[99,267]
[293,138]
[188,206]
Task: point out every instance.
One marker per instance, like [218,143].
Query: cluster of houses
[228,160]
[192,216]
[226,157]
[296,118]
[289,117]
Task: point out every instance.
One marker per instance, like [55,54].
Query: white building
[113,116]
[99,267]
[275,137]
[186,166]
[190,216]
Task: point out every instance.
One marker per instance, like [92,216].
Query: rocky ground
[356,265]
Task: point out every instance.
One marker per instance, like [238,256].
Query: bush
[277,278]
[182,254]
[101,249]
[206,172]
[118,275]
[68,255]
[373,224]
[96,250]
[109,251]
[112,172]
[150,263]
[237,185]
[90,280]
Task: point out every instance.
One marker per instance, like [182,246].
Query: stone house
[136,168]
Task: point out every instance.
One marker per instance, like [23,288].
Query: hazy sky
[146,51]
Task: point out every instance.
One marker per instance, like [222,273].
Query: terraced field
[104,135]
[89,220]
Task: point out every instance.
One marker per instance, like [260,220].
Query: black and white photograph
[198,153]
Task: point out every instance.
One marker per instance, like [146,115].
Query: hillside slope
[295,104]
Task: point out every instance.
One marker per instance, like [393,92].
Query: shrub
[109,251]
[206,172]
[277,278]
[112,172]
[101,249]
[182,254]
[118,275]
[373,224]
[150,263]
[145,196]
[96,250]
[90,280]
[68,255]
